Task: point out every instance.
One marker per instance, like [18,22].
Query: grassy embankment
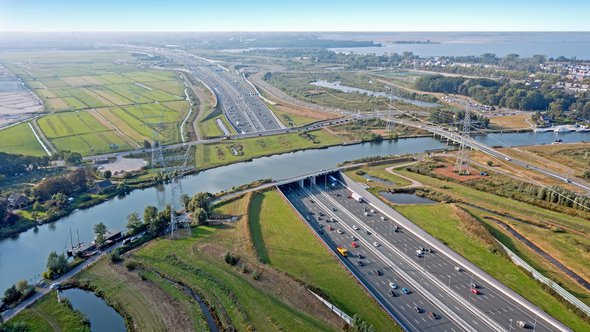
[49,315]
[283,241]
[212,155]
[441,221]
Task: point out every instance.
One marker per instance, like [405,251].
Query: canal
[25,256]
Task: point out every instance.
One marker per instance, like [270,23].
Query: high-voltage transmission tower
[463,153]
[178,215]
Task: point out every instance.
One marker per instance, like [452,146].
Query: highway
[435,283]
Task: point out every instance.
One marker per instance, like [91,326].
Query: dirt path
[48,319]
[413,184]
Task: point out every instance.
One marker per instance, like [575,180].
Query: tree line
[502,93]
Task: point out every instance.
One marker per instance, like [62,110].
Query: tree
[150,218]
[490,163]
[134,223]
[200,216]
[107,174]
[11,295]
[73,158]
[200,200]
[100,230]
[123,188]
[56,264]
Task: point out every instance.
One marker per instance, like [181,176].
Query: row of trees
[156,222]
[505,94]
[455,119]
[17,292]
[11,164]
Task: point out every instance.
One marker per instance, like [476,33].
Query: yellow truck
[343,251]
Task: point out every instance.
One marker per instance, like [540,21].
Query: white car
[55,285]
[375,244]
[355,227]
[392,285]
[340,231]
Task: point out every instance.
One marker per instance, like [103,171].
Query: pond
[376,179]
[405,198]
[102,317]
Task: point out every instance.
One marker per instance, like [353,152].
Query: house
[102,186]
[16,201]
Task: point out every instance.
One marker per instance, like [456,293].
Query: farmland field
[72,83]
[20,139]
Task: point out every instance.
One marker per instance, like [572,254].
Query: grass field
[151,304]
[438,220]
[211,155]
[288,245]
[49,315]
[240,301]
[20,139]
[380,173]
[539,263]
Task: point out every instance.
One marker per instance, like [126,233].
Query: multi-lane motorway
[437,283]
[240,103]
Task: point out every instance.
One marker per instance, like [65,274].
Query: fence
[558,289]
[334,308]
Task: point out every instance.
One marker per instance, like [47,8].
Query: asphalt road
[435,283]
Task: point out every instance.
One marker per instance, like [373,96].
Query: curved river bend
[25,257]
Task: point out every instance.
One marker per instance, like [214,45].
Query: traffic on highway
[422,288]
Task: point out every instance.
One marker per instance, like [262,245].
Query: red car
[354,244]
[330,228]
[474,291]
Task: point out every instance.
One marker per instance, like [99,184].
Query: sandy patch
[125,165]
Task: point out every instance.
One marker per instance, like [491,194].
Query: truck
[357,197]
[333,181]
[343,251]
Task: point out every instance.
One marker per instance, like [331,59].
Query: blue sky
[300,15]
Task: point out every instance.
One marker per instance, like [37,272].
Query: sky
[299,15]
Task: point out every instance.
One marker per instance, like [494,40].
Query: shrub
[231,259]
[130,265]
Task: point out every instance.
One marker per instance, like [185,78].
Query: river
[349,89]
[25,256]
[101,316]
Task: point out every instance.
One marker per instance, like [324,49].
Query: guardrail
[334,308]
[538,276]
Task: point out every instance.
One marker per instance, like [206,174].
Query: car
[355,227]
[366,214]
[321,214]
[417,309]
[55,285]
[360,263]
[474,291]
[126,241]
[354,238]
[334,209]
[361,256]
[375,244]
[338,195]
[392,285]
[308,218]
[392,293]
[473,285]
[432,315]
[383,218]
[418,255]
[330,228]
[367,231]
[311,201]
[522,324]
[354,244]
[405,291]
[378,272]
[372,211]
[340,231]
[320,232]
[458,268]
